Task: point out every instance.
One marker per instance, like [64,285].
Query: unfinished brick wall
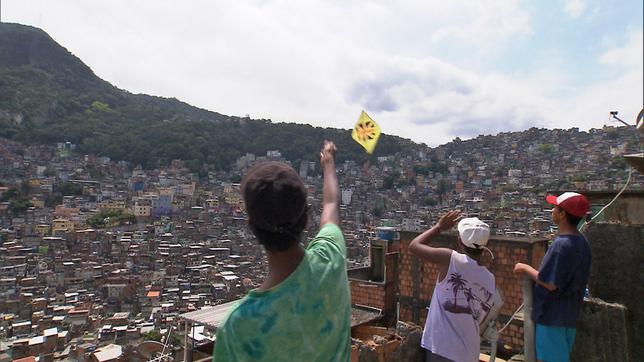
[417,279]
[377,294]
[512,336]
[368,293]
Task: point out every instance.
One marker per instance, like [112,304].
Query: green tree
[443,188]
[54,199]
[110,217]
[20,205]
[70,189]
[429,201]
[100,107]
[152,335]
[546,148]
[49,172]
[618,163]
[388,182]
[379,208]
[235,178]
[9,194]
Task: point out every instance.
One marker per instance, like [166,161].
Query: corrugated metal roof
[210,316]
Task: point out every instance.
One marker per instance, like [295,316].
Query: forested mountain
[48,95]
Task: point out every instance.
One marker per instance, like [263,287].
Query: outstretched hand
[448,220]
[328,153]
[520,268]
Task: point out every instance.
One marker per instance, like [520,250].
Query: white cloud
[486,22]
[628,56]
[321,62]
[432,101]
[574,8]
[623,92]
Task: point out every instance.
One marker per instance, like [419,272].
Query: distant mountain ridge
[48,95]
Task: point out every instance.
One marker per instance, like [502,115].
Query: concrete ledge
[602,333]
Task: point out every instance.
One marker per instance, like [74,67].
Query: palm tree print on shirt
[468,302]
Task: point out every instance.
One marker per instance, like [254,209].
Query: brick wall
[512,336]
[368,293]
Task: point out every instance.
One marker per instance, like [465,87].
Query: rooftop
[210,316]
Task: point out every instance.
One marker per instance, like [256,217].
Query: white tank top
[459,303]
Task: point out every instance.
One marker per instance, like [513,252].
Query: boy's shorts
[433,357]
[554,344]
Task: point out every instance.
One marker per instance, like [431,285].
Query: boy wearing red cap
[561,280]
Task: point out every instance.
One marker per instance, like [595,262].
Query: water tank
[387,233]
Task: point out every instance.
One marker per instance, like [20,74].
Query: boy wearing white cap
[561,280]
[464,290]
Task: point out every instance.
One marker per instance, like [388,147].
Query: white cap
[474,233]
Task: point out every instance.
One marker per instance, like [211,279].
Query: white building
[346,196]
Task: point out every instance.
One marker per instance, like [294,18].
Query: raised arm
[330,193]
[440,256]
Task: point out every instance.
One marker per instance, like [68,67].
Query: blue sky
[426,70]
[578,40]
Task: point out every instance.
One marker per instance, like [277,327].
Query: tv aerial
[639,120]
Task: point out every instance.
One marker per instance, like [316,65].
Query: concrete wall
[627,209]
[617,273]
[602,333]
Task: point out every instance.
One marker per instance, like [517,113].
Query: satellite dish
[639,121]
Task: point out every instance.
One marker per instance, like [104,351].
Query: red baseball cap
[573,203]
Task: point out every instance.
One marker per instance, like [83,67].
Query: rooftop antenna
[634,161]
[614,115]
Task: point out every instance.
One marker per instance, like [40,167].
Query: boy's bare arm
[440,256]
[330,193]
[521,268]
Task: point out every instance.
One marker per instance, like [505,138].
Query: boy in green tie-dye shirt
[302,310]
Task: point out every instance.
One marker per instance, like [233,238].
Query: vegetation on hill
[48,95]
[110,217]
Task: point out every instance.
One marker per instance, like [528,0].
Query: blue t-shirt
[567,266]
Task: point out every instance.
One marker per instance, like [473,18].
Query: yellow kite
[366,132]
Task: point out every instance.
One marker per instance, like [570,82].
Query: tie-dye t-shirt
[306,317]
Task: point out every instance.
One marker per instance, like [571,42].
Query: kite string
[628,180]
[511,318]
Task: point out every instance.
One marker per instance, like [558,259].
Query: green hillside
[48,95]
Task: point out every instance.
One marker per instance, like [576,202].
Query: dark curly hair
[275,199]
